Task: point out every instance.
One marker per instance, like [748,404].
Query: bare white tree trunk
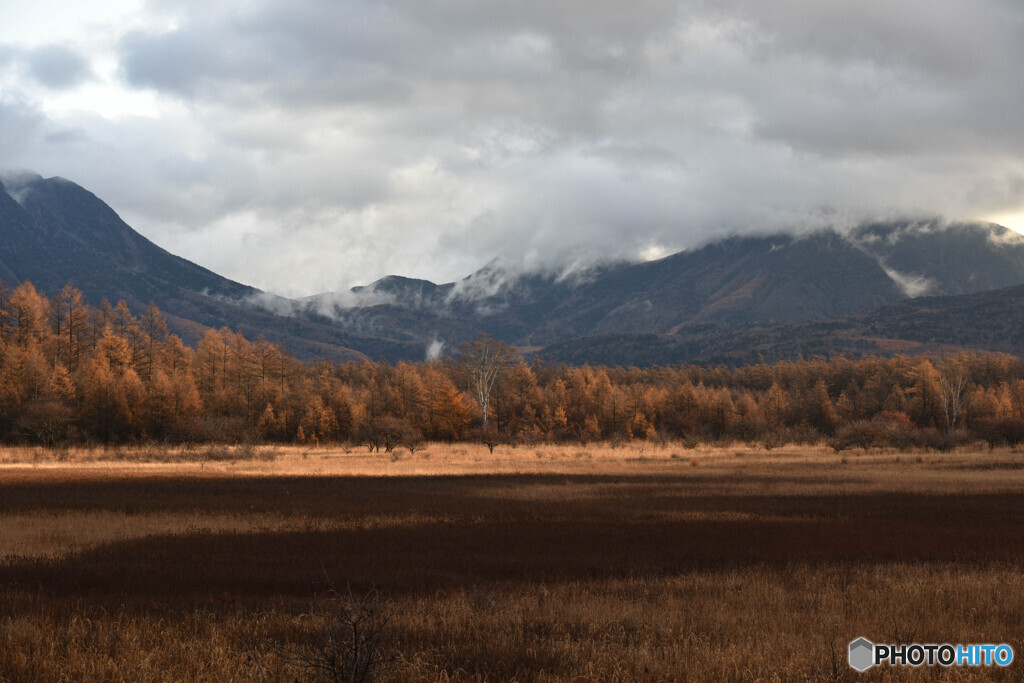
[484,361]
[953,382]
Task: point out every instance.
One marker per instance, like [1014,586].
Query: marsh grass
[152,453]
[617,566]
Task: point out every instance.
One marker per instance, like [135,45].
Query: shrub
[348,638]
[860,434]
[895,429]
[488,436]
[390,431]
[998,431]
[941,440]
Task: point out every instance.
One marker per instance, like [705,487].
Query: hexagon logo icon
[862,654]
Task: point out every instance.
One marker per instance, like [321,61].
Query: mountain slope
[991,320]
[932,258]
[26,251]
[76,237]
[736,281]
[57,233]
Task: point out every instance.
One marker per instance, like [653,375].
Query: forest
[71,373]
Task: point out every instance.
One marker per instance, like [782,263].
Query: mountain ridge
[697,303]
[751,280]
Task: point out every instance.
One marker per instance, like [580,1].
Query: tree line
[74,373]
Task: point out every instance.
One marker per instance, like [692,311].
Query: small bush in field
[390,432]
[349,638]
[773,438]
[943,441]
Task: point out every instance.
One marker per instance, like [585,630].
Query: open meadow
[552,562]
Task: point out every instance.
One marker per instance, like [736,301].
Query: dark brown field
[568,564]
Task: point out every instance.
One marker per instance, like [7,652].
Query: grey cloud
[883,77]
[57,67]
[524,61]
[943,39]
[174,61]
[317,145]
[21,125]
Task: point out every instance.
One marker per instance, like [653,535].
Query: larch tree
[5,321]
[820,410]
[154,335]
[448,413]
[30,312]
[71,325]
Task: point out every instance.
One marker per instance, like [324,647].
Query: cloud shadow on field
[465,538]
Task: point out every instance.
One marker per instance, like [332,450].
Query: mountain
[779,278]
[53,232]
[57,232]
[772,279]
[740,281]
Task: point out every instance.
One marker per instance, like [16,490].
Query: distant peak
[390,283]
[59,180]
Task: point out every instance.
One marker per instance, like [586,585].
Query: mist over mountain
[934,258]
[773,280]
[778,295]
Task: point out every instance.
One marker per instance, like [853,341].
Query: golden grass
[748,468]
[644,562]
[780,624]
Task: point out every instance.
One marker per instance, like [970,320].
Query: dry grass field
[642,562]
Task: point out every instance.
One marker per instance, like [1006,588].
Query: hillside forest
[75,373]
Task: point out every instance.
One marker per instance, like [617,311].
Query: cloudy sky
[317,144]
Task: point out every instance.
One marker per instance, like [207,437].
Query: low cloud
[911,285]
[16,183]
[434,350]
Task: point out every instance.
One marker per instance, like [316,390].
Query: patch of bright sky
[1012,220]
[43,22]
[654,252]
[104,96]
[92,29]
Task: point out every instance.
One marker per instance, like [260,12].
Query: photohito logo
[864,654]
